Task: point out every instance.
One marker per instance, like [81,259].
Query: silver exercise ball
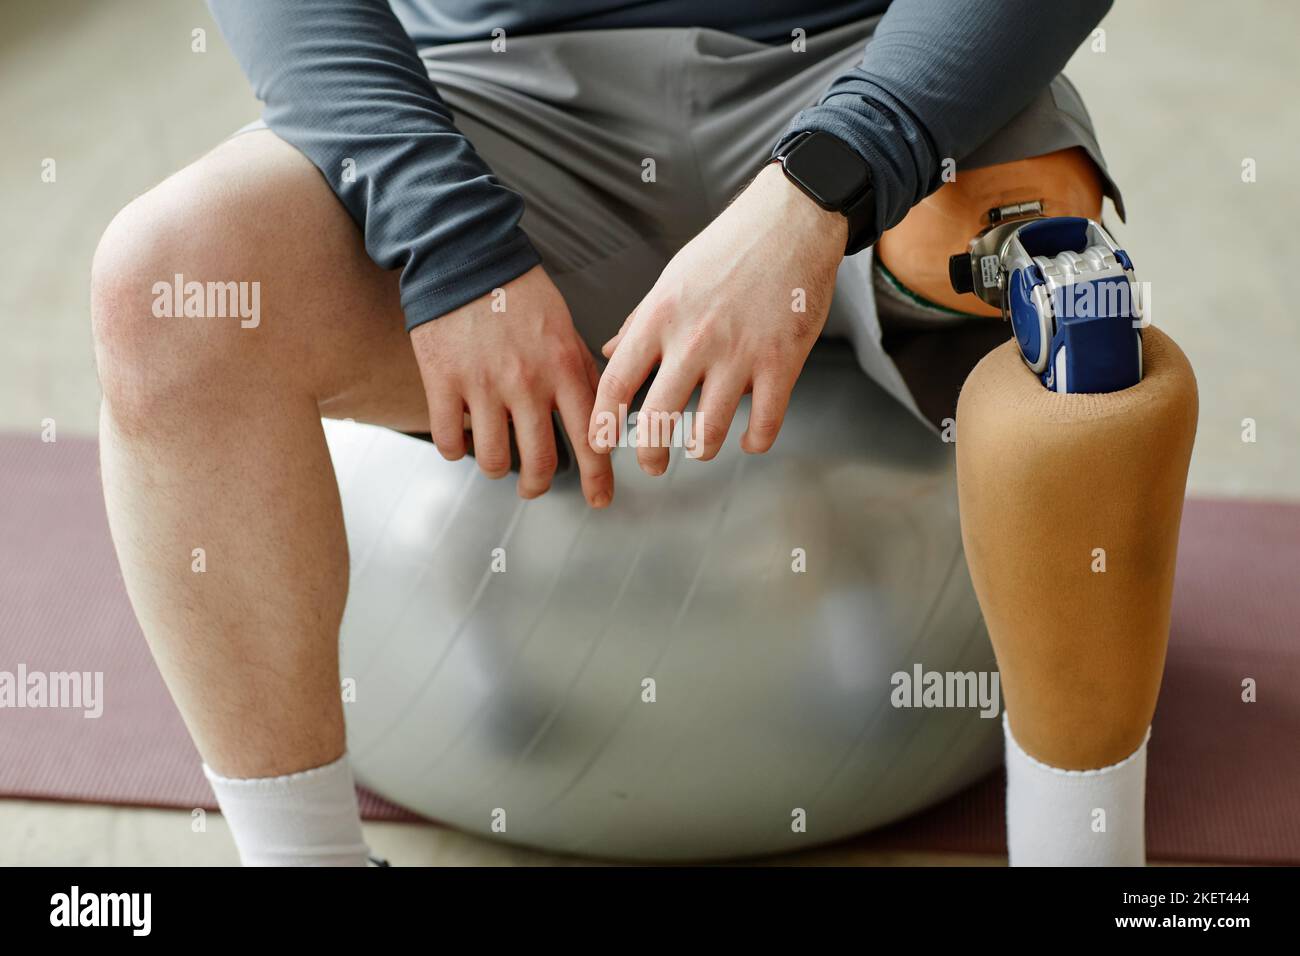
[657,681]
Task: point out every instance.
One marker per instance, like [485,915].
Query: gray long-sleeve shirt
[341,79]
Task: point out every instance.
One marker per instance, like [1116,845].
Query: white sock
[301,819]
[1075,817]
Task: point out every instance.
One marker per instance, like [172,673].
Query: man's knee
[173,308]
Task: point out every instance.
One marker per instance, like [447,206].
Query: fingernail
[600,499]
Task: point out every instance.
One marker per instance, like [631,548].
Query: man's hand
[517,361]
[739,308]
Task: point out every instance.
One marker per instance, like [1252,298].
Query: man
[449,205]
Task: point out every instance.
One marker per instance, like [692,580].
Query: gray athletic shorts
[568,119]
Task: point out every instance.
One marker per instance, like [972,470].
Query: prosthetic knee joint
[1069,292]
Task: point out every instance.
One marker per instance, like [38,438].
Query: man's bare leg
[211,440]
[221,496]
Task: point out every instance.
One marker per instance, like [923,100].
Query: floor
[43,834]
[115,95]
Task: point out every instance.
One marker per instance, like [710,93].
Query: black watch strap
[861,214]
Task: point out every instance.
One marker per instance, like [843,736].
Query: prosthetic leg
[1073,443]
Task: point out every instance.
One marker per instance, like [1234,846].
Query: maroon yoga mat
[1224,776]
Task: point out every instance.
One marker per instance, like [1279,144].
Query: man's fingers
[660,415]
[624,374]
[719,399]
[491,436]
[593,374]
[608,348]
[596,471]
[446,418]
[766,412]
[535,436]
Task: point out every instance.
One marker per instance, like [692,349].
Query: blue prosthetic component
[1094,349]
[1047,237]
[1071,297]
[1020,303]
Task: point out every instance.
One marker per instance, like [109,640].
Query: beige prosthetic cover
[1050,486]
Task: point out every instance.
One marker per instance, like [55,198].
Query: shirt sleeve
[937,79]
[342,82]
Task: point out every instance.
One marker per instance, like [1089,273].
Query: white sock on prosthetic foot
[299,819]
[1075,817]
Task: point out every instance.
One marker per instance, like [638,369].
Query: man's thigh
[331,320]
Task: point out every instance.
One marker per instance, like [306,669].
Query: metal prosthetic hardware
[1068,290]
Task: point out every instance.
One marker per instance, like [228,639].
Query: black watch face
[831,171]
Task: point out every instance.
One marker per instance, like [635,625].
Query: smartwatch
[832,174]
